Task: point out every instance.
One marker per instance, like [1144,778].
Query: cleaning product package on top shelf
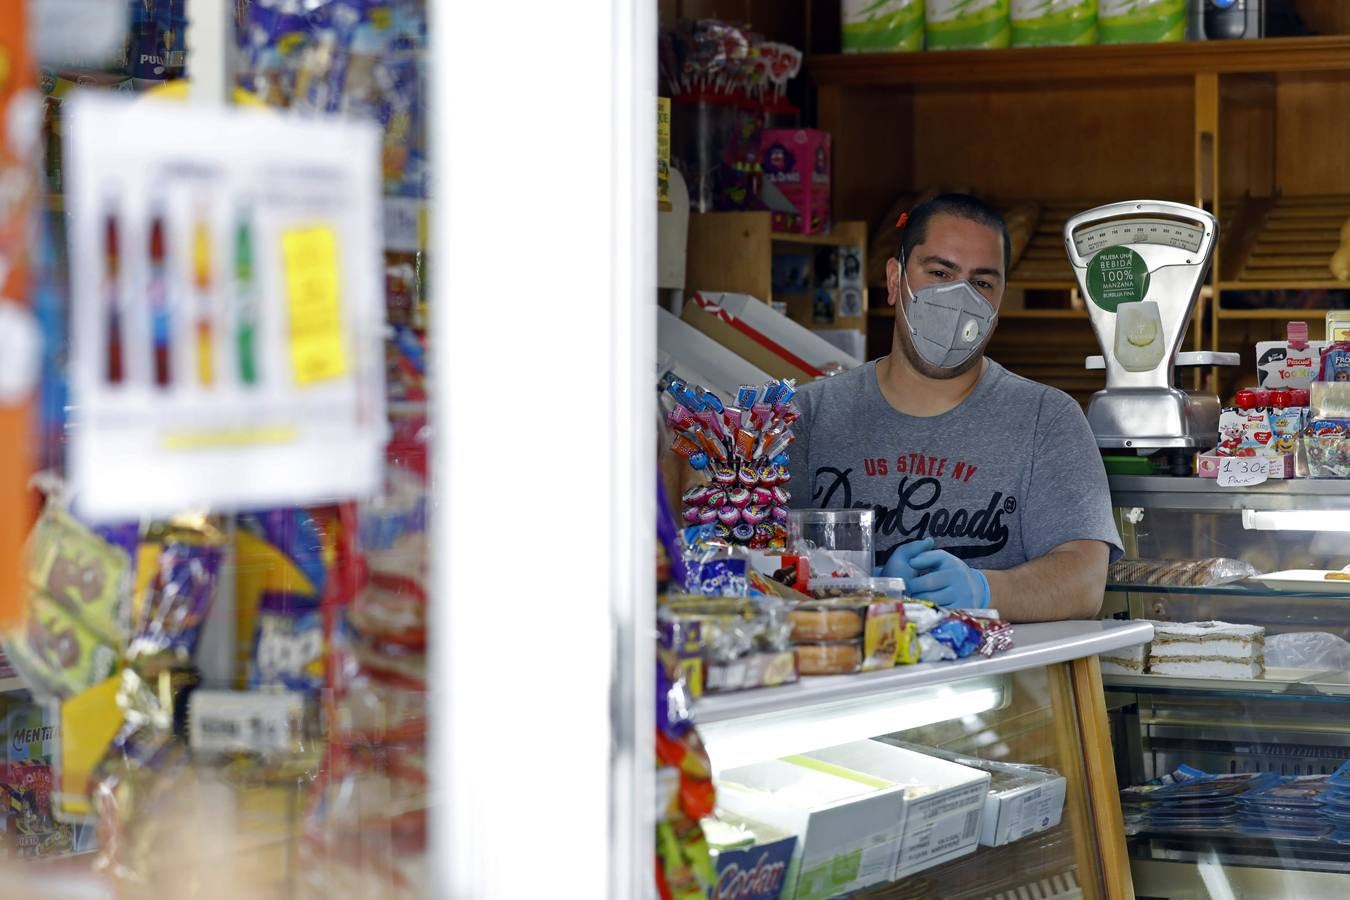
[886,26]
[1037,23]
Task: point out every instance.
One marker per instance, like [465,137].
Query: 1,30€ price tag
[1243,471]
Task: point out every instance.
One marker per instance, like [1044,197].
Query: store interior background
[1243,129]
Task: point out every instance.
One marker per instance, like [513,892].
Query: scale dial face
[1177,233]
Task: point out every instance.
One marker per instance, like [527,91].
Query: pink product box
[797,162]
[1281,466]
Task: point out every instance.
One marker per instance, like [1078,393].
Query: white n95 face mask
[949,322]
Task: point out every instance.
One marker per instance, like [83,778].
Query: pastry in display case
[1228,726]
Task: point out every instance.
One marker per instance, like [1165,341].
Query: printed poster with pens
[227,308]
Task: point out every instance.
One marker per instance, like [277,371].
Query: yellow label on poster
[310,260]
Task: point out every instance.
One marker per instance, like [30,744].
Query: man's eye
[983,285]
[939,273]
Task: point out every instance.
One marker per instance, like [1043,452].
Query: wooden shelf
[1044,264]
[1283,243]
[1274,315]
[819,240]
[1097,63]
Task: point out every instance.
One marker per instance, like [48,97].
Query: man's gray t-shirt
[1005,477]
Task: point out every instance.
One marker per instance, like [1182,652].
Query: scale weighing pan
[1140,265]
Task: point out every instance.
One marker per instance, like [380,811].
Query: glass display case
[1268,551]
[1040,704]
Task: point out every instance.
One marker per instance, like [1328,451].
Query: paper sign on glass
[227,308]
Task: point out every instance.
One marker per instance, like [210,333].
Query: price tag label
[243,722]
[318,350]
[1243,471]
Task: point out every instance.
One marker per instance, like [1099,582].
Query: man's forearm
[1066,583]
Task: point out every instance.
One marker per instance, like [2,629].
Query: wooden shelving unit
[1284,243]
[1128,62]
[1205,123]
[733,252]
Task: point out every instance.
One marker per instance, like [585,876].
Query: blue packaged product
[754,873]
[288,649]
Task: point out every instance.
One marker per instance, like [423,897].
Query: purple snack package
[176,604]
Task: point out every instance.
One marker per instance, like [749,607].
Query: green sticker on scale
[1116,275]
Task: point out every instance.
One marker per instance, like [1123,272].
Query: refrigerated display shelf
[1034,646]
[1248,588]
[1316,854]
[1304,683]
[1205,495]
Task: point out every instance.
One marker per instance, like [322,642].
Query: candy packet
[77,570]
[184,559]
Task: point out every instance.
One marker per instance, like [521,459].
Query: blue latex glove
[900,564]
[947,581]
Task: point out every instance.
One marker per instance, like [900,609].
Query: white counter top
[1034,646]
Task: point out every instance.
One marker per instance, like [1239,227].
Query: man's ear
[892,281]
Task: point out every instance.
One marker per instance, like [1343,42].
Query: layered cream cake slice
[1125,661]
[1207,650]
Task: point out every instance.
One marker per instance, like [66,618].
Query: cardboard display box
[765,338]
[1022,800]
[848,826]
[943,801]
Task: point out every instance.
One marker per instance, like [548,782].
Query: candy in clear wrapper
[959,633]
[748,454]
[781,496]
[696,496]
[754,515]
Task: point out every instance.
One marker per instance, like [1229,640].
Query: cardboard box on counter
[764,338]
[848,825]
[943,801]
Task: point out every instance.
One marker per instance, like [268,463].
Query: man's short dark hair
[964,206]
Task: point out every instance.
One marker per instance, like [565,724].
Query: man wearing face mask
[988,487]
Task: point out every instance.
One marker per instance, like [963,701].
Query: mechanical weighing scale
[1140,265]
